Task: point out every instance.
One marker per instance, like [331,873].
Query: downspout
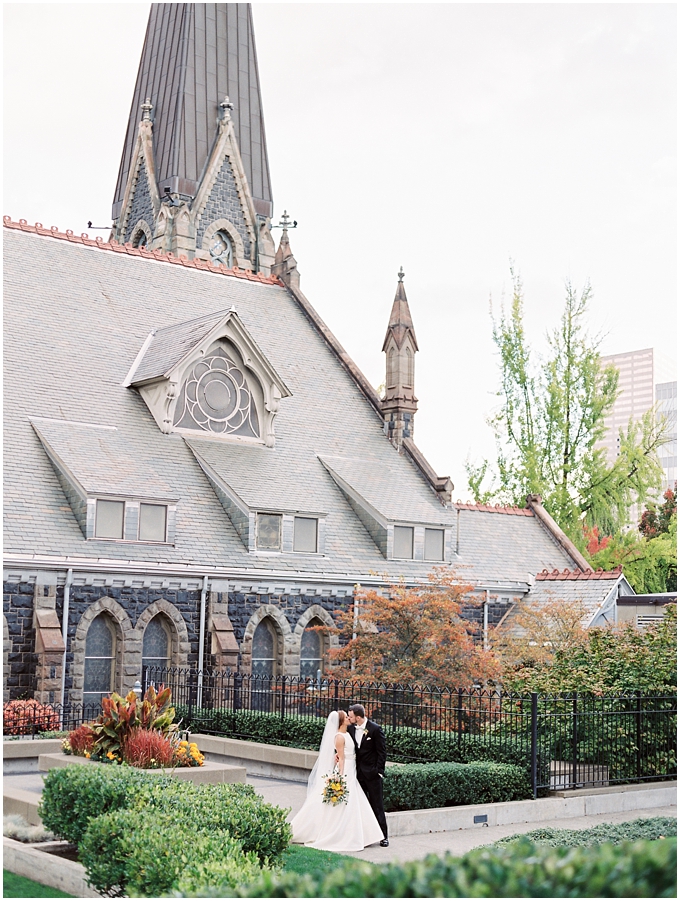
[485,628]
[64,636]
[457,531]
[201,644]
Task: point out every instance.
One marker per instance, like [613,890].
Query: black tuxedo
[371,757]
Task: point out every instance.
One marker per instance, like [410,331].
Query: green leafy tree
[607,660]
[549,423]
[649,564]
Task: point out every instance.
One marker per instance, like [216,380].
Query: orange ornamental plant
[26,717]
[147,749]
[413,634]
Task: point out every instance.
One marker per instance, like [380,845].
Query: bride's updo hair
[342,716]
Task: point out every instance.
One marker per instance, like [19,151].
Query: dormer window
[222,250]
[305,532]
[403,542]
[109,521]
[129,520]
[434,545]
[269,531]
[208,375]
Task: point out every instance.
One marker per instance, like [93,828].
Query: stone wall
[224,203]
[21,659]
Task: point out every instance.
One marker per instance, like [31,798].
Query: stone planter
[211,773]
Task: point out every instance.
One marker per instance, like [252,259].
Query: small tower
[400,403]
[194,174]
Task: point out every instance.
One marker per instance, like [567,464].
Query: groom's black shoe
[385,843]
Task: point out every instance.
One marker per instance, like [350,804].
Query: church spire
[400,345]
[194,174]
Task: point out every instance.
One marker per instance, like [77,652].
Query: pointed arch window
[221,249]
[100,660]
[216,398]
[391,368]
[156,645]
[409,367]
[311,651]
[265,648]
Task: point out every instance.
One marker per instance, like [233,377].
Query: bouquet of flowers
[335,789]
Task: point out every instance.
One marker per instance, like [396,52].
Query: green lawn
[299,859]
[14,886]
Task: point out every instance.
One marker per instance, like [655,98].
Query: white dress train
[342,828]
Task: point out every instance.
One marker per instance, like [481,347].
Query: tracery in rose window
[216,398]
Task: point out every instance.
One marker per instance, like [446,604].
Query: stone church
[196,472]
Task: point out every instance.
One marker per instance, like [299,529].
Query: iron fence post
[534,744]
[638,733]
[144,679]
[337,693]
[394,706]
[574,739]
[460,714]
[283,697]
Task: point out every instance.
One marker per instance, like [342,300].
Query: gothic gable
[208,377]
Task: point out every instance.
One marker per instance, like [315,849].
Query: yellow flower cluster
[187,754]
[335,790]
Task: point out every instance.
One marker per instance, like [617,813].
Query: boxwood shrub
[148,853]
[522,870]
[72,796]
[404,745]
[76,795]
[417,786]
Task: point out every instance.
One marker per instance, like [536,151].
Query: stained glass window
[99,660]
[269,531]
[216,398]
[156,643]
[311,652]
[264,649]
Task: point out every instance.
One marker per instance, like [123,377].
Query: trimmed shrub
[522,870]
[649,829]
[149,852]
[27,717]
[233,809]
[74,795]
[417,786]
[404,745]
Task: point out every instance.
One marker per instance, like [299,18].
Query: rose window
[216,398]
[221,250]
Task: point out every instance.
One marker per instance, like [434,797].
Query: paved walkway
[404,847]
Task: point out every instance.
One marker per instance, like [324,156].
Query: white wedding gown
[342,828]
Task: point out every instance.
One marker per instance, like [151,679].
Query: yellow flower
[110,755]
[87,753]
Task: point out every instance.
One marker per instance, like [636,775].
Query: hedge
[150,853]
[522,870]
[404,745]
[417,786]
[76,795]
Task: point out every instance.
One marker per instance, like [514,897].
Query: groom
[371,751]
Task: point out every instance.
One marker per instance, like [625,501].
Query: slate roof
[77,313]
[168,345]
[595,590]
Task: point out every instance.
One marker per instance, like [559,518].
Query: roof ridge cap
[127,248]
[578,574]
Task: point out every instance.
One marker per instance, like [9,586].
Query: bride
[343,827]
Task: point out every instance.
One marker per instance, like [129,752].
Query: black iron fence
[563,741]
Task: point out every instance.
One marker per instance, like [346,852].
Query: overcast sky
[445,138]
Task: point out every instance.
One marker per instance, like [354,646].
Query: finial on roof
[147,106]
[226,106]
[401,273]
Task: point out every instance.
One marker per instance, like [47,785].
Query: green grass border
[14,886]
